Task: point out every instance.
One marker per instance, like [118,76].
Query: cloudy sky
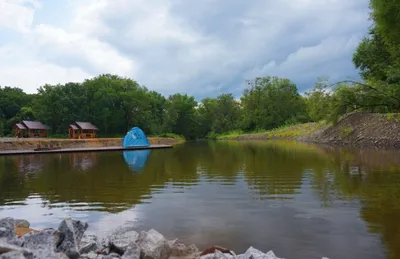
[202,48]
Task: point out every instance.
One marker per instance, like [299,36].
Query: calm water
[300,201]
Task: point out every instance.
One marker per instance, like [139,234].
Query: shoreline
[18,241]
[8,144]
[359,129]
[373,143]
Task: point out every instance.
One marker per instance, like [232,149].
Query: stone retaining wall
[29,144]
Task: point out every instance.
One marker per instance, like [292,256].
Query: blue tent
[135,137]
[137,159]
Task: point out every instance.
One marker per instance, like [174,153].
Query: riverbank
[355,129]
[30,144]
[17,240]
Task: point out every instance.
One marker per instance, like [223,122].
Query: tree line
[115,103]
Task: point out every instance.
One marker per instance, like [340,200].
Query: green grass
[345,132]
[227,135]
[284,132]
[168,135]
[392,117]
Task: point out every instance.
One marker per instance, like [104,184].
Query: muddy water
[301,201]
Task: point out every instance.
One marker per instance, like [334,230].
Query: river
[299,200]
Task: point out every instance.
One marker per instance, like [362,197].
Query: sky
[202,48]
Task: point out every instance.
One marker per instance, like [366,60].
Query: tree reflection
[272,170]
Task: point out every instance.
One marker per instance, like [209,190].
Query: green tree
[271,102]
[318,100]
[180,116]
[373,58]
[386,15]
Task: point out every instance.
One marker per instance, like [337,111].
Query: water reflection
[303,201]
[82,161]
[136,160]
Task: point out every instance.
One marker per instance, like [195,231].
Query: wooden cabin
[30,129]
[82,130]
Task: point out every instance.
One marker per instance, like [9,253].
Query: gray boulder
[90,255]
[47,254]
[112,256]
[47,239]
[153,245]
[7,228]
[132,252]
[121,238]
[13,255]
[218,255]
[72,231]
[89,243]
[253,253]
[13,250]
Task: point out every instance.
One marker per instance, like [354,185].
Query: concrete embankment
[30,144]
[71,241]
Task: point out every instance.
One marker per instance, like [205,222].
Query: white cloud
[19,68]
[201,48]
[99,55]
[15,14]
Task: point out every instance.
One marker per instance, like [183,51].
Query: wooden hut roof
[86,125]
[74,127]
[35,125]
[20,126]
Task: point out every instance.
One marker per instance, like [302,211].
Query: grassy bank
[360,129]
[284,132]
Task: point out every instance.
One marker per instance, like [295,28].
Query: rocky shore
[18,241]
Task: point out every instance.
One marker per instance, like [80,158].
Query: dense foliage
[115,104]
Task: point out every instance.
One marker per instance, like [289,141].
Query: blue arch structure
[136,159]
[135,138]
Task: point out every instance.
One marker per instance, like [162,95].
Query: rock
[219,255]
[90,255]
[182,251]
[122,241]
[22,223]
[8,248]
[47,239]
[253,253]
[112,256]
[153,245]
[212,249]
[7,228]
[80,228]
[44,243]
[13,255]
[121,238]
[132,252]
[88,244]
[42,253]
[73,231]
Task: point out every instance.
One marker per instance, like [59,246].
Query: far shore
[358,129]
